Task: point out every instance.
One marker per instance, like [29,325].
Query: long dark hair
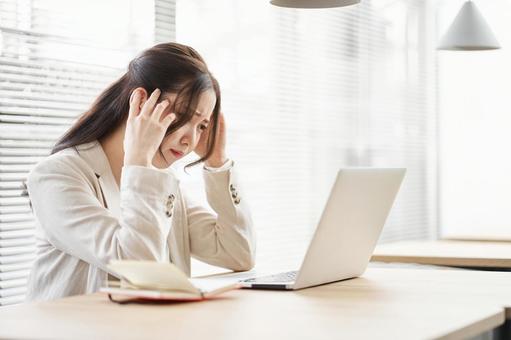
[171,67]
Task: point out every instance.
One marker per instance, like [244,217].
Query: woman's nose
[189,137]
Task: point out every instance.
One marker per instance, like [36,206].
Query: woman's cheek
[165,145]
[160,162]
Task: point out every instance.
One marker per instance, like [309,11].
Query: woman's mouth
[177,154]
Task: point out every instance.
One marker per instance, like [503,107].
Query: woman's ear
[142,93]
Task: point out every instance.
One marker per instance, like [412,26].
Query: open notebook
[160,281]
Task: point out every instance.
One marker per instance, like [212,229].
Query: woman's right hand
[145,128]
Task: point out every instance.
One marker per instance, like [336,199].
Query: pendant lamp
[313,3]
[469,32]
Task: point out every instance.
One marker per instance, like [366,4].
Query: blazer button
[233,189]
[237,200]
[169,204]
[234,194]
[168,213]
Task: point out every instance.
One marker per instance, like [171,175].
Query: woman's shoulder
[69,161]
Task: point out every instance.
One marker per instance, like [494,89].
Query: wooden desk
[383,304]
[473,254]
[470,234]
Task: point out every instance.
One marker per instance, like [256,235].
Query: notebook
[148,280]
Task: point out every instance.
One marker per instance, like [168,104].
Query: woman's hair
[170,67]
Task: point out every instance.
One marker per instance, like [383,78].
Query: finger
[159,110]
[134,104]
[168,120]
[148,107]
[221,120]
[220,124]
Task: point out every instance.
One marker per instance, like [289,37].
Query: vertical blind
[55,58]
[306,92]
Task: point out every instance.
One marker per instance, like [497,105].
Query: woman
[106,191]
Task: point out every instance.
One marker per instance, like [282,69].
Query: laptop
[347,233]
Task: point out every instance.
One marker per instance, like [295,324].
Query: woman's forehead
[204,105]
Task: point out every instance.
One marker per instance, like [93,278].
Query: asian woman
[106,192]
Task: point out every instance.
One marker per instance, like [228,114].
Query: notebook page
[153,275]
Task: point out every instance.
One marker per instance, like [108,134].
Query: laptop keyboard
[281,277]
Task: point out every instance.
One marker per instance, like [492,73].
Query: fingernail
[157,90]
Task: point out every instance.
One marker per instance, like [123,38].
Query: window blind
[55,58]
[165,21]
[306,92]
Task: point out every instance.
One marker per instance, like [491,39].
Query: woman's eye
[203,127]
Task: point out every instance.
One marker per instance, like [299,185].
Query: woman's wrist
[140,161]
[216,162]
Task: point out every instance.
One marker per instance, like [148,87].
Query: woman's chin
[160,166]
[161,163]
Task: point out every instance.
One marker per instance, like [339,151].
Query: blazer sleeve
[227,238]
[74,221]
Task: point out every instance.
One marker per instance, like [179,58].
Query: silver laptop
[347,233]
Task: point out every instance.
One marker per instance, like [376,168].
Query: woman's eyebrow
[198,113]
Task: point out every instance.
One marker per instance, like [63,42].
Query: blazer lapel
[94,155]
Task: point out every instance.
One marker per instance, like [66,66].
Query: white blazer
[84,220]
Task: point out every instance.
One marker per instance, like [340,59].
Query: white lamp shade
[313,3]
[469,32]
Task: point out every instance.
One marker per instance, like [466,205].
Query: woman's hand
[145,128]
[218,157]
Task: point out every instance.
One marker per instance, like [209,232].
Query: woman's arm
[65,198]
[74,221]
[227,239]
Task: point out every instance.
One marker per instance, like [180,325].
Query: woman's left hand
[218,157]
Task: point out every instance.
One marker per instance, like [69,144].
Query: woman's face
[184,140]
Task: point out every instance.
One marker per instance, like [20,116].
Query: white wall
[475,126]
